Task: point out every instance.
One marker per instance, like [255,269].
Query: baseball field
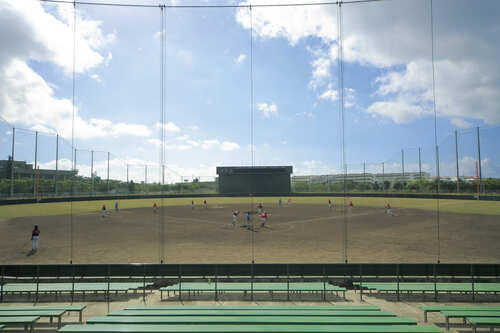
[304,231]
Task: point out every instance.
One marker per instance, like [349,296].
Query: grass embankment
[78,207]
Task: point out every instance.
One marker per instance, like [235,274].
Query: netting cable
[342,121]
[73,152]
[143,5]
[438,178]
[251,128]
[162,132]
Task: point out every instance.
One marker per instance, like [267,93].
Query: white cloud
[240,58]
[305,114]
[330,94]
[229,146]
[95,77]
[207,144]
[461,123]
[268,110]
[193,128]
[26,98]
[400,111]
[169,127]
[394,37]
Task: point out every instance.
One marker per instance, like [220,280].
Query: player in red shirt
[388,209]
[263,219]
[259,208]
[155,207]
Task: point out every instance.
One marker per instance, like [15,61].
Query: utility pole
[12,163]
[92,171]
[57,163]
[403,167]
[34,167]
[108,173]
[456,157]
[479,159]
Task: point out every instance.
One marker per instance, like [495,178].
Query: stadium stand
[483,322]
[66,308]
[25,321]
[439,308]
[40,313]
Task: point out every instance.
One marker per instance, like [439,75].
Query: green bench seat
[103,328]
[439,308]
[26,322]
[199,320]
[40,313]
[255,307]
[67,308]
[483,322]
[1,327]
[251,313]
[463,314]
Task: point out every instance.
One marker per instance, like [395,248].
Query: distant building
[362,178]
[26,170]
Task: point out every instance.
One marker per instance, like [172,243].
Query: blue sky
[387,80]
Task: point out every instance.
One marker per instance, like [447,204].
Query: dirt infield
[299,233]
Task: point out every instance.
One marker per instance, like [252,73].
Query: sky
[388,86]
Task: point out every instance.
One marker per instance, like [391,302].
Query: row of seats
[477,316]
[27,316]
[251,319]
[247,287]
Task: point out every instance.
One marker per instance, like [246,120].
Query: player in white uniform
[235,217]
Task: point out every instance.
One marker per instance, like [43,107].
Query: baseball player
[155,207]
[248,218]
[103,211]
[116,206]
[235,217]
[388,209]
[279,203]
[192,204]
[259,208]
[263,219]
[205,204]
[35,234]
[329,204]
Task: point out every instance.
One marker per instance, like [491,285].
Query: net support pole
[403,168]
[34,166]
[92,171]
[108,174]
[12,162]
[146,178]
[383,177]
[361,283]
[420,163]
[127,174]
[479,160]
[364,174]
[57,163]
[456,159]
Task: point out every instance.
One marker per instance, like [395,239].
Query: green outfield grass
[63,208]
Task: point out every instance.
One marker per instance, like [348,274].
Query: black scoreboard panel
[254,180]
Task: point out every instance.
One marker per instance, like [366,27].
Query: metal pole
[420,162]
[456,155]
[479,158]
[57,163]
[92,171]
[108,173]
[34,167]
[127,173]
[403,167]
[383,177]
[12,163]
[437,211]
[145,178]
[364,174]
[74,174]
